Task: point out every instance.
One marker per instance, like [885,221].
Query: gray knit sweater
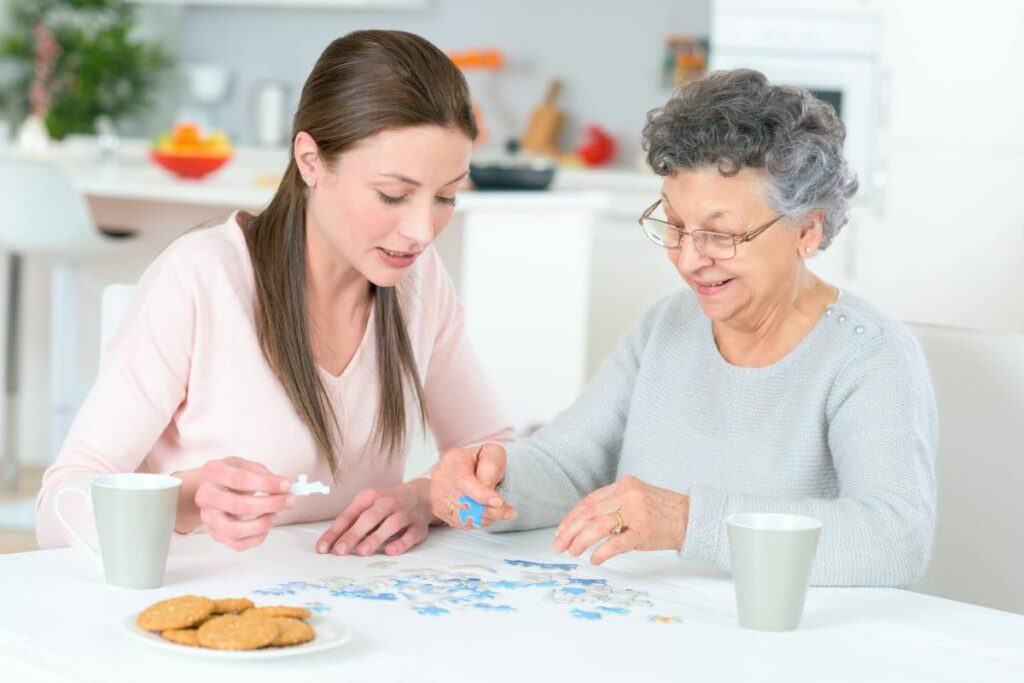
[842,429]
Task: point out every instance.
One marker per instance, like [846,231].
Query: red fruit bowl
[189,165]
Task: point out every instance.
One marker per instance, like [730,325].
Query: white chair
[43,216]
[978,554]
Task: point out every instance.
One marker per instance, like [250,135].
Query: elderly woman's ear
[811,233]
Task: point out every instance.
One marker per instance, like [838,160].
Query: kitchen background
[607,56]
[591,47]
[929,92]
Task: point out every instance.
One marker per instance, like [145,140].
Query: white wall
[164,25]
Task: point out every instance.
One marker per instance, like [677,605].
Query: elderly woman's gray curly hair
[732,119]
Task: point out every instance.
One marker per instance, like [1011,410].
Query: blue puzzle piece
[431,611]
[541,565]
[583,614]
[589,582]
[475,511]
[613,610]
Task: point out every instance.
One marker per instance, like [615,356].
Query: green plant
[98,68]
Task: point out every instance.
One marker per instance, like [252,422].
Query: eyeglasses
[715,245]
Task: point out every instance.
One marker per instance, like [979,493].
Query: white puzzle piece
[303,487]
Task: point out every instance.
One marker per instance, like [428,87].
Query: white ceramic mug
[134,516]
[772,555]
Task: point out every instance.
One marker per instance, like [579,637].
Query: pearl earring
[807,250]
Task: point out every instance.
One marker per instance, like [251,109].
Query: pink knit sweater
[184,382]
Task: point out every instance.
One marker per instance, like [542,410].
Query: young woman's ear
[307,157]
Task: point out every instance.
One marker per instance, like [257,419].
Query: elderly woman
[759,388]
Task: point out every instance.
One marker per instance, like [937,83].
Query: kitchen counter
[248,181]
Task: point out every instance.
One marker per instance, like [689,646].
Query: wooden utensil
[541,135]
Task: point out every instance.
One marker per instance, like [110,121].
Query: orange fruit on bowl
[186,134]
[188,153]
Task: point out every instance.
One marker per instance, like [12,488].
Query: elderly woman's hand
[472,472]
[633,515]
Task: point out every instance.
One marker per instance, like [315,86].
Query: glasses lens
[659,233]
[658,230]
[715,245]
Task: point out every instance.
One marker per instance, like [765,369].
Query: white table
[59,621]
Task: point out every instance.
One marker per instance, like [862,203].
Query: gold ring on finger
[451,511]
[619,527]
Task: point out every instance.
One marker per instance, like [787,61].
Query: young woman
[306,339]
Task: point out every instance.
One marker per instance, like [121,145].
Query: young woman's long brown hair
[364,83]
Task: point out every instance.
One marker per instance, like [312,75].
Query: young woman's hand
[223,495]
[395,519]
[473,472]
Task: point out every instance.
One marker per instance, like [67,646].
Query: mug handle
[56,508]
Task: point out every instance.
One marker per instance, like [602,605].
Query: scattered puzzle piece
[474,511]
[542,565]
[303,487]
[584,614]
[444,591]
[662,619]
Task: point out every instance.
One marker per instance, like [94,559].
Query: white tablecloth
[653,617]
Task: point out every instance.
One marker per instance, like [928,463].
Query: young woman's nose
[418,226]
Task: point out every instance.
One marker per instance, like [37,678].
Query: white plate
[329,634]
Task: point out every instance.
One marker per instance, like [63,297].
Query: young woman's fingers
[250,465]
[246,543]
[227,529]
[367,521]
[240,504]
[363,501]
[238,478]
[392,526]
[413,536]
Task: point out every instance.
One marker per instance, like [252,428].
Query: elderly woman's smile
[720,241]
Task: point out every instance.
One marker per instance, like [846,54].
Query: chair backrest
[117,299]
[42,211]
[978,554]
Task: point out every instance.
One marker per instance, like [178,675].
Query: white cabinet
[521,263]
[948,241]
[953,73]
[949,248]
